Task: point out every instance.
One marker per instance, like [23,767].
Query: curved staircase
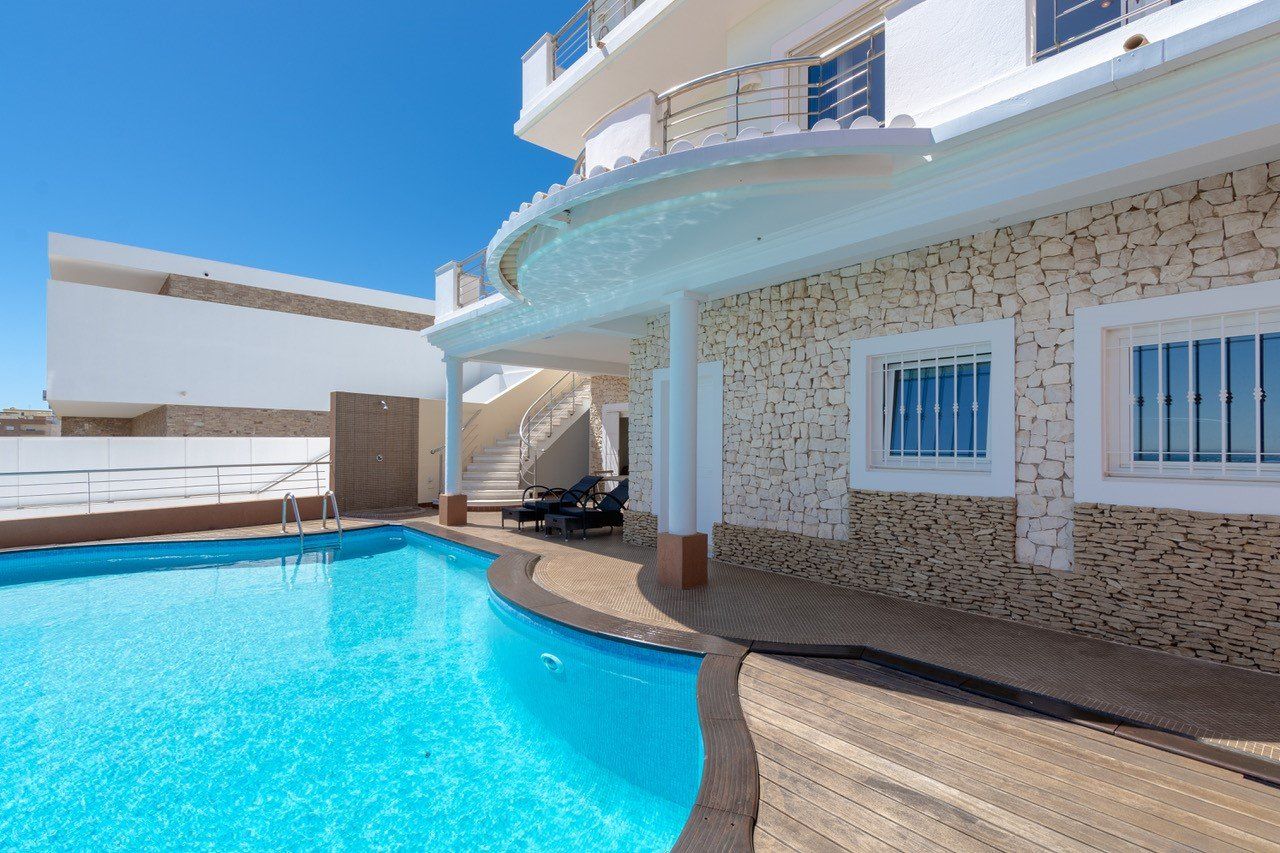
[498,474]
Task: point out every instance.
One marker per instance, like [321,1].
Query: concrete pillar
[453,506]
[682,550]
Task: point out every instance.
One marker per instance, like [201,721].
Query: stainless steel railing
[541,415]
[1061,24]
[87,489]
[587,28]
[468,449]
[844,87]
[473,280]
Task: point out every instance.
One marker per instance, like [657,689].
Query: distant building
[26,423]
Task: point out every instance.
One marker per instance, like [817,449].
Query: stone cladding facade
[246,296]
[604,390]
[785,353]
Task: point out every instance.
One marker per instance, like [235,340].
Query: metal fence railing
[588,26]
[87,489]
[1061,24]
[473,280]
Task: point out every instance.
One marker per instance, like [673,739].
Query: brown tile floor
[1222,705]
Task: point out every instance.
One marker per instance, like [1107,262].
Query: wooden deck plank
[833,828]
[948,824]
[869,736]
[1186,774]
[967,736]
[1099,833]
[1062,746]
[1062,783]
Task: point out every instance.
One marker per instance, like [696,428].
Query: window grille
[1196,398]
[934,409]
[1061,24]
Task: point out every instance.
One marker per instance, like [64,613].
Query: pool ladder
[289,502]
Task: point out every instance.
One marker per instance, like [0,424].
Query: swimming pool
[373,695]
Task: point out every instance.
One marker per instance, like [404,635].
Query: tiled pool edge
[724,812]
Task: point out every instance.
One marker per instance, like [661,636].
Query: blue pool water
[374,696]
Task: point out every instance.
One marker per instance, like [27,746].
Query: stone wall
[227,293]
[604,391]
[785,353]
[75,427]
[640,528]
[205,421]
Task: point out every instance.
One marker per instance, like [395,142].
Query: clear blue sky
[364,143]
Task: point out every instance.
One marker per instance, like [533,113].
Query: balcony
[587,29]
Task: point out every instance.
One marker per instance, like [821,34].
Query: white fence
[68,475]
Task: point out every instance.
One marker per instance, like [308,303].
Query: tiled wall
[374,442]
[209,290]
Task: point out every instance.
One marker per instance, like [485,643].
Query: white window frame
[1095,413]
[867,355]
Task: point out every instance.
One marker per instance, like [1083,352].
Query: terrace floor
[855,755]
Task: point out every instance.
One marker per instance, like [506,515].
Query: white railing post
[88,489]
[218,474]
[447,278]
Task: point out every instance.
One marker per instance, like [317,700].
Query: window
[1061,24]
[933,411]
[849,83]
[1177,400]
[1196,398]
[935,407]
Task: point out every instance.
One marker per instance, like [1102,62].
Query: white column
[452,425]
[682,418]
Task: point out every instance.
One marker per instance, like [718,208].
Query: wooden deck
[857,756]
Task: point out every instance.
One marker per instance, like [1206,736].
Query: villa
[926,352]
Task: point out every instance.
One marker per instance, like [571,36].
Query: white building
[148,343]
[792,220]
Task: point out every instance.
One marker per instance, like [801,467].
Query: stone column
[453,506]
[682,550]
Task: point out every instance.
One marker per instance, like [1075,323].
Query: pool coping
[724,812]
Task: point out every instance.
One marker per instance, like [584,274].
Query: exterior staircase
[494,475]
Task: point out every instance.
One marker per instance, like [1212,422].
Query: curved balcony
[701,153]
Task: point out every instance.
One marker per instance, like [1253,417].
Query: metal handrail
[304,466]
[85,487]
[462,457]
[330,497]
[765,94]
[473,268]
[1125,12]
[286,503]
[586,28]
[535,415]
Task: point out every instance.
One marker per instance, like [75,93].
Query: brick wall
[89,427]
[374,446]
[205,421]
[227,293]
[785,351]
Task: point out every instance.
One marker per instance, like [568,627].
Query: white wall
[143,350]
[108,456]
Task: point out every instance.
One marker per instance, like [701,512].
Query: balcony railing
[1061,24]
[845,87]
[473,280]
[587,28]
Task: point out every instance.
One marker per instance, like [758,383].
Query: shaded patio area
[1218,705]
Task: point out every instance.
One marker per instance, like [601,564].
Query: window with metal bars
[934,409]
[1062,24]
[1197,397]
[849,83]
